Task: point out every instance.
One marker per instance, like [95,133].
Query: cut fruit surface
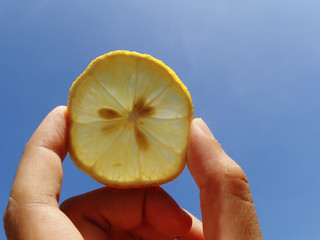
[129,119]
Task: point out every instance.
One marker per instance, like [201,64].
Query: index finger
[227,207]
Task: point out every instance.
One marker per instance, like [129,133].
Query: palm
[128,214]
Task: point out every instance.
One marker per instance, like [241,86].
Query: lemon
[129,119]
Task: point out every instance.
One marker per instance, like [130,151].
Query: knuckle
[236,183]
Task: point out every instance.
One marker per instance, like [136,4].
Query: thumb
[39,174]
[226,201]
[33,211]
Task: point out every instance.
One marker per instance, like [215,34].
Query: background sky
[252,68]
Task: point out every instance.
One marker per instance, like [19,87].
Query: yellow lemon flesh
[129,119]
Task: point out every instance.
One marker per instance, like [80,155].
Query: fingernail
[203,127]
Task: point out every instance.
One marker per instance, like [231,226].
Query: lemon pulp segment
[129,119]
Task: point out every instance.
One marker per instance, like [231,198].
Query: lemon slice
[129,118]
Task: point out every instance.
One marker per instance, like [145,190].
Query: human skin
[33,210]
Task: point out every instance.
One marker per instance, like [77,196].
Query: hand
[33,211]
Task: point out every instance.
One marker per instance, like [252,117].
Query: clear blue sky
[252,68]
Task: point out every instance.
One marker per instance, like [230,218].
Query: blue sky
[252,68]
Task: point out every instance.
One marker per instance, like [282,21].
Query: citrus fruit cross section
[129,119]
